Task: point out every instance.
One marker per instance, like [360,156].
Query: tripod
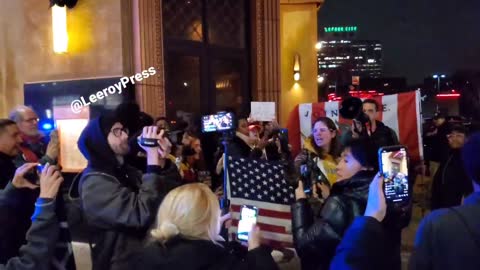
[224,201]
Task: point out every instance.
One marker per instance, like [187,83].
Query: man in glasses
[450,183]
[118,202]
[36,147]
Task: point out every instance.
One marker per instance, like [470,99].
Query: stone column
[266,50]
[148,52]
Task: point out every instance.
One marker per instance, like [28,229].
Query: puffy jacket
[118,203]
[316,239]
[182,254]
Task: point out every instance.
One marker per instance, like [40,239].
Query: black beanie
[106,123]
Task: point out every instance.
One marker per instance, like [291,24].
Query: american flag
[262,184]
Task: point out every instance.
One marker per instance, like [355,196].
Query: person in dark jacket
[377,131]
[42,235]
[446,238]
[10,140]
[435,139]
[450,183]
[450,238]
[316,239]
[241,145]
[186,236]
[13,229]
[35,146]
[364,244]
[118,203]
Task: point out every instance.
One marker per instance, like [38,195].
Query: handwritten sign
[262,111]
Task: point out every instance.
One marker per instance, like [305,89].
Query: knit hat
[107,121]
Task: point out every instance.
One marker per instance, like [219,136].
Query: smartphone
[394,165]
[33,176]
[222,121]
[305,176]
[284,132]
[248,218]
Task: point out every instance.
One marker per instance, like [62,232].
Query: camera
[33,176]
[151,142]
[222,121]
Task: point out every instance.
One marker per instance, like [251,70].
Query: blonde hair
[191,211]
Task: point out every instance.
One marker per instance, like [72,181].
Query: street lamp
[320,79]
[438,80]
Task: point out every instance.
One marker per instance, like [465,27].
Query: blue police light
[47,126]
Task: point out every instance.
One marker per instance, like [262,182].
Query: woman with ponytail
[186,236]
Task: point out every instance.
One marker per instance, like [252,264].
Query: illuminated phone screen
[395,172]
[248,217]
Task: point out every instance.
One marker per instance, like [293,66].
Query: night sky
[419,37]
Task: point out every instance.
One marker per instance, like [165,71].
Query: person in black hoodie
[186,236]
[450,183]
[316,238]
[119,203]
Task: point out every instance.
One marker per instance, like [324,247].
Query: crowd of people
[157,207]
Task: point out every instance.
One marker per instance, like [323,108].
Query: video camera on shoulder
[220,122]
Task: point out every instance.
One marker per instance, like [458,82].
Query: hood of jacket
[357,186]
[95,148]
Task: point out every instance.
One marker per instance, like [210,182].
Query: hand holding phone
[376,205]
[394,169]
[248,219]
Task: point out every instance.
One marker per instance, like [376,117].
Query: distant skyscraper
[341,51]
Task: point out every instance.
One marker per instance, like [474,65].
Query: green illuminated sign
[339,29]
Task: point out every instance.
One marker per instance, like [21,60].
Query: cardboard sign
[262,111]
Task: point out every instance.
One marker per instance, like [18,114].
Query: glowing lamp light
[59,29]
[296,68]
[318,46]
[296,76]
[320,79]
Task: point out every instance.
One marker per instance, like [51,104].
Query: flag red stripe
[379,100]
[271,243]
[318,110]
[266,212]
[294,136]
[407,113]
[265,227]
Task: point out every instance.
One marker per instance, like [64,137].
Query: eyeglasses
[117,132]
[31,120]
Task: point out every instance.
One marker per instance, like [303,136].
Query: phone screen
[217,122]
[248,217]
[394,166]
